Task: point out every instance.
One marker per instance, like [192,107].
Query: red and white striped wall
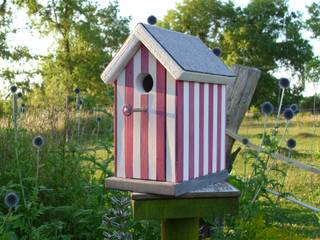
[140,138]
[181,137]
[201,124]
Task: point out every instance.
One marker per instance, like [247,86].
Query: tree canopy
[263,34]
[86,36]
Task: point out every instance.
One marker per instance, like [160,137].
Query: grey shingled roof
[189,52]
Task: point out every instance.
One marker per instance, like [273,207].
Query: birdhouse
[169,113]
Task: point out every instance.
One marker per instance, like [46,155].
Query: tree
[312,68]
[312,75]
[313,22]
[86,37]
[10,55]
[263,34]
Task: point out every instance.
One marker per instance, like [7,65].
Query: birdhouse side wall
[200,129]
[144,146]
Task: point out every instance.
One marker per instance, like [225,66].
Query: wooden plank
[144,147]
[239,94]
[170,129]
[161,122]
[196,128]
[191,130]
[121,59]
[291,199]
[186,135]
[219,129]
[275,155]
[223,127]
[164,188]
[221,189]
[200,182]
[201,127]
[120,156]
[128,121]
[179,131]
[139,185]
[144,59]
[136,117]
[215,128]
[186,229]
[152,114]
[210,128]
[115,126]
[206,130]
[205,78]
[184,208]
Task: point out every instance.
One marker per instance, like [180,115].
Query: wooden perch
[239,95]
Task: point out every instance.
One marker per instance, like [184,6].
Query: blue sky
[139,10]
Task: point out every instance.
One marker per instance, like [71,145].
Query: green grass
[83,177]
[303,185]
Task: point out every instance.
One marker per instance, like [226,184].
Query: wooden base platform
[215,200]
[165,188]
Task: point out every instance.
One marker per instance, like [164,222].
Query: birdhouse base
[165,188]
[215,200]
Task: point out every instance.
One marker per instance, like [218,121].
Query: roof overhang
[131,46]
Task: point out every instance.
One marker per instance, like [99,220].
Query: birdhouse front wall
[144,146]
[201,125]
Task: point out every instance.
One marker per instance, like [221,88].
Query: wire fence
[285,160]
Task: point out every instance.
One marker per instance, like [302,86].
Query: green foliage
[86,37]
[259,214]
[314,21]
[66,202]
[307,102]
[263,34]
[11,55]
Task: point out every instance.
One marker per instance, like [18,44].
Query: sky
[139,10]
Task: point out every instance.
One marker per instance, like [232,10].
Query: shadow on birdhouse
[170,113]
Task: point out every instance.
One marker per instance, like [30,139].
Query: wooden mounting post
[183,228]
[180,215]
[239,95]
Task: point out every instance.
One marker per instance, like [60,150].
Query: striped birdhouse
[169,112]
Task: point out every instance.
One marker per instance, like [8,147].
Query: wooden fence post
[239,95]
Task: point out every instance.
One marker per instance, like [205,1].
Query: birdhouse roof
[184,56]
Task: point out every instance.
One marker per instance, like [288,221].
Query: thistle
[11,200]
[37,141]
[245,141]
[284,83]
[13,89]
[288,114]
[291,143]
[294,107]
[267,108]
[77,90]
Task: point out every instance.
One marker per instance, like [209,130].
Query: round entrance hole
[147,83]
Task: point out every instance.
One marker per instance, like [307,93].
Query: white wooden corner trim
[158,52]
[120,60]
[206,78]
